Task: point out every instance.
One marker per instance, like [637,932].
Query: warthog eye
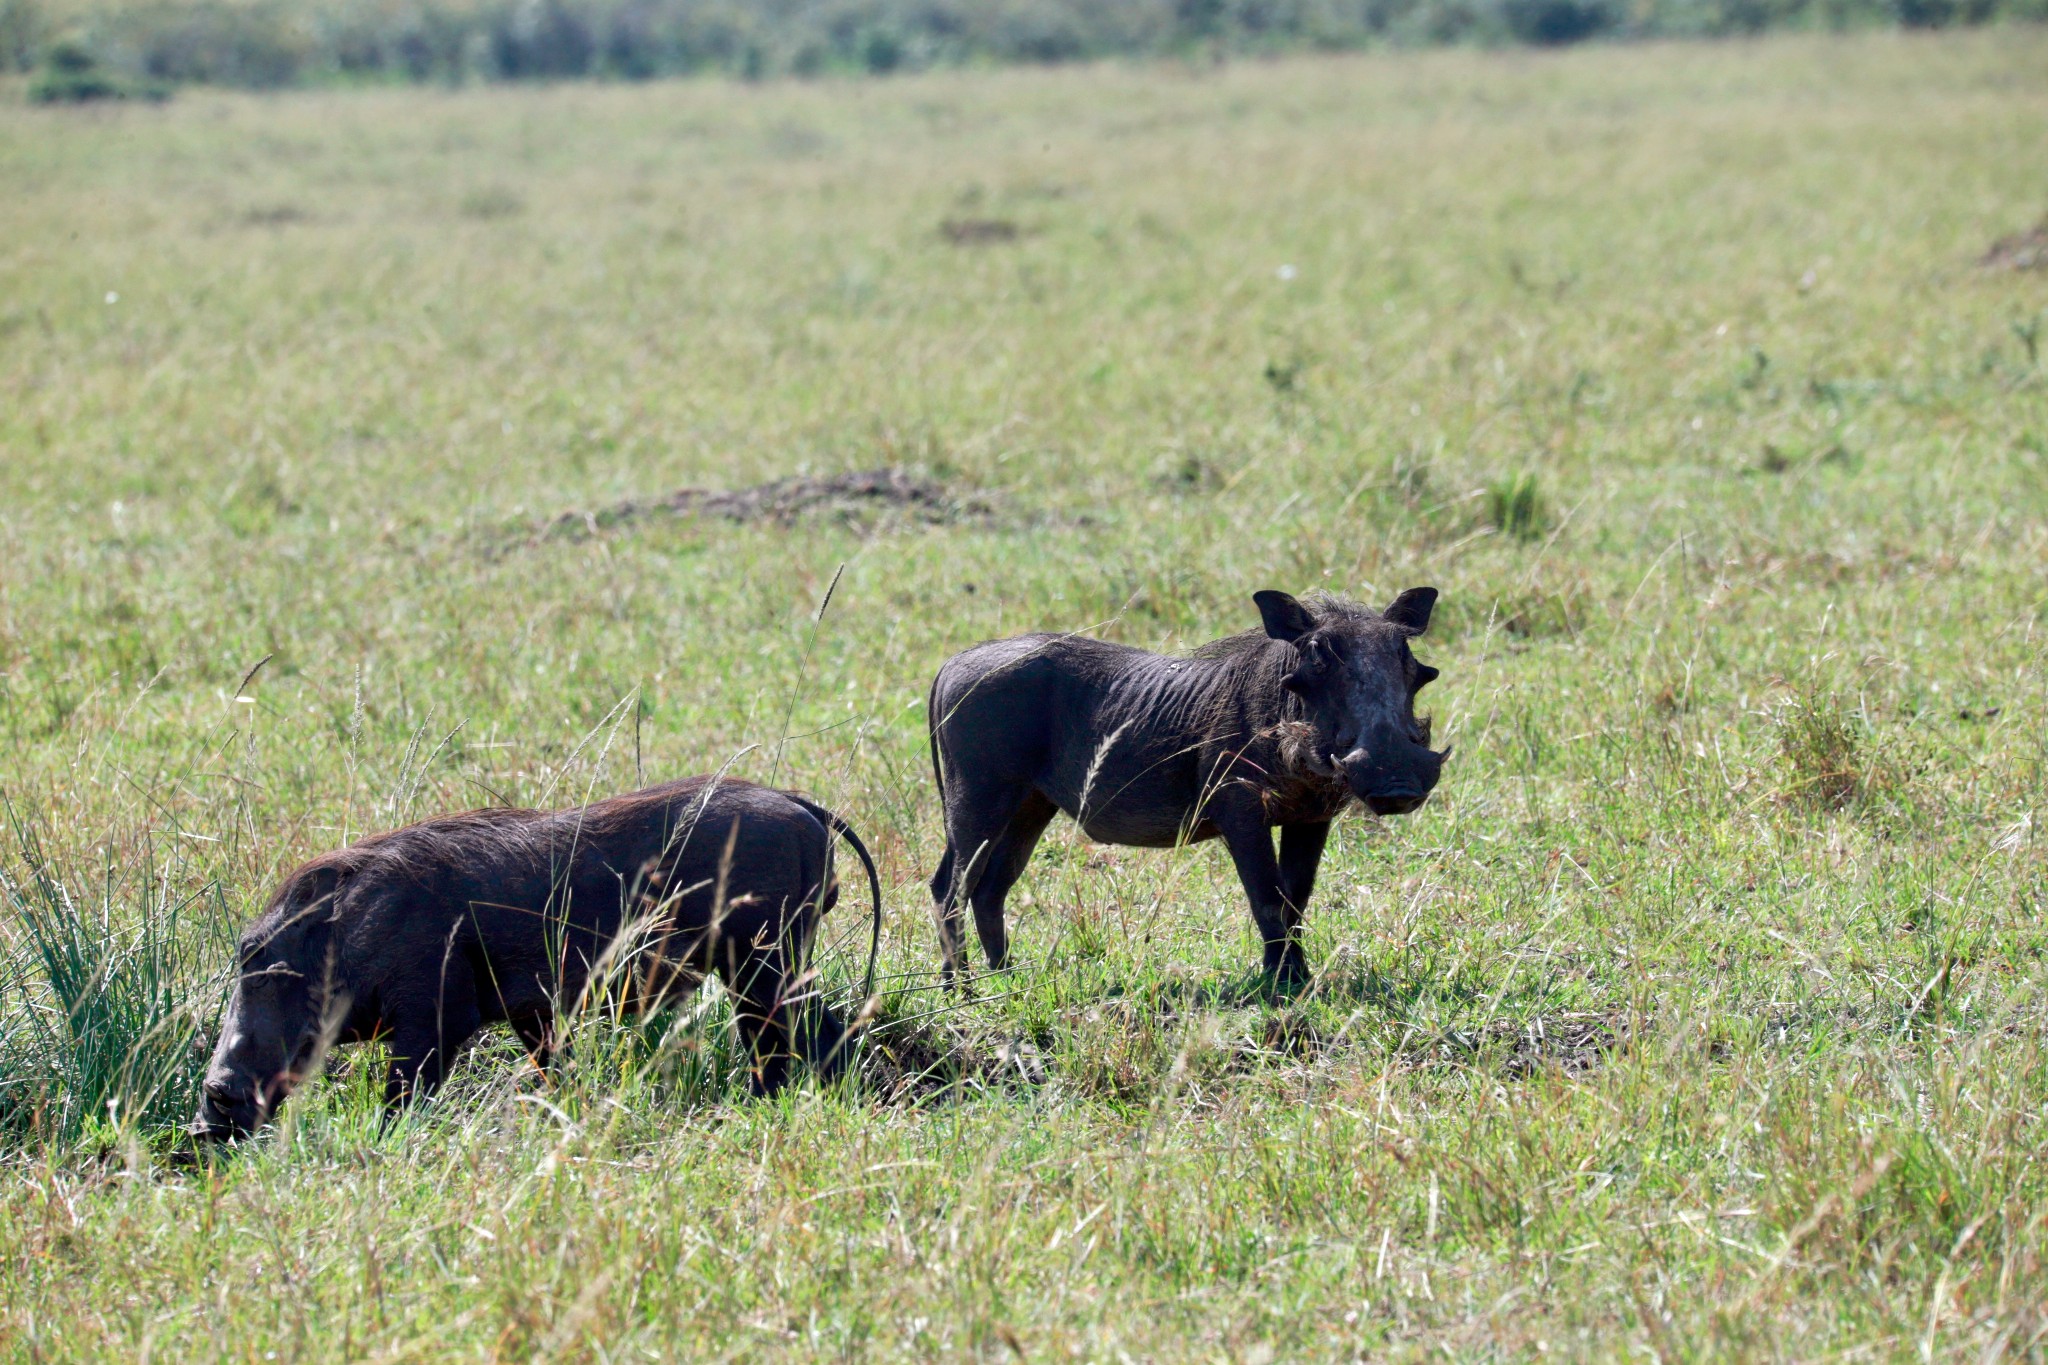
[1312,661]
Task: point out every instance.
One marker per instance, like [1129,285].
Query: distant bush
[281,42]
[222,44]
[71,74]
[1943,13]
[21,34]
[1550,23]
[542,39]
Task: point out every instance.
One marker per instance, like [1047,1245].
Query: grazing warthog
[424,935]
[1285,726]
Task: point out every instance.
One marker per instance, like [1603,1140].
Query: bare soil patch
[1574,1042]
[2019,250]
[922,1056]
[274,215]
[868,497]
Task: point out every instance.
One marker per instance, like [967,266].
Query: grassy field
[1700,1014]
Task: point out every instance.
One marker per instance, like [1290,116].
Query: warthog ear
[1410,611]
[1285,618]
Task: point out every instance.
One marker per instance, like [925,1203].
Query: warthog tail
[931,734]
[839,827]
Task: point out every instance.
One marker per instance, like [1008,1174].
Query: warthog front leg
[1250,842]
[424,1040]
[1301,854]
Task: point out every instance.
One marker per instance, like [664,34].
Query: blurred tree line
[267,43]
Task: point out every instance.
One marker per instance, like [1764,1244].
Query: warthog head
[1357,681]
[275,1022]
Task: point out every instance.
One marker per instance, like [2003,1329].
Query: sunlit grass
[1699,1013]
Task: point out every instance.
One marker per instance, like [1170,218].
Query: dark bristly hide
[1283,726]
[426,934]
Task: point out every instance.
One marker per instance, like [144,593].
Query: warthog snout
[267,1033]
[1395,800]
[225,1113]
[231,1106]
[1394,778]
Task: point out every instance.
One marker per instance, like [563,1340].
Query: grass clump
[103,987]
[1516,507]
[1832,758]
[491,201]
[1822,747]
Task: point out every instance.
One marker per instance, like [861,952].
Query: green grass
[1700,1013]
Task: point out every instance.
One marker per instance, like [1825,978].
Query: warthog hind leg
[1009,853]
[946,912]
[781,1016]
[536,1033]
[989,841]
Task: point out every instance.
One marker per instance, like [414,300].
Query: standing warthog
[1282,727]
[424,935]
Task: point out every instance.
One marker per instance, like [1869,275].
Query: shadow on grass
[1062,1031]
[1075,1031]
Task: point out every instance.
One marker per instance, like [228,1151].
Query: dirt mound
[928,1052]
[2020,250]
[1574,1042]
[868,495]
[979,231]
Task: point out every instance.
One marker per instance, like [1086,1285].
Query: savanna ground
[1699,1014]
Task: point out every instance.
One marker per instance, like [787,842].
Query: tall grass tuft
[1820,746]
[1832,760]
[98,1028]
[1515,506]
